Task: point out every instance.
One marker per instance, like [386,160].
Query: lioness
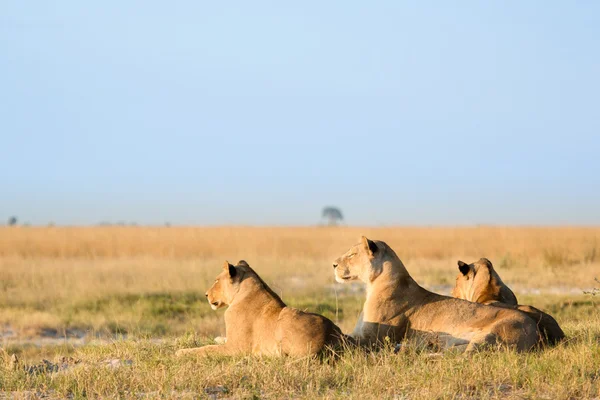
[258,321]
[479,282]
[397,307]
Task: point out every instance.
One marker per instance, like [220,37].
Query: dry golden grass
[151,281]
[126,259]
[552,244]
[56,272]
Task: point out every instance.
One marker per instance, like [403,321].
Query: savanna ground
[109,306]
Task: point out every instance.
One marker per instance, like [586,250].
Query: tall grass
[524,243]
[116,278]
[145,281]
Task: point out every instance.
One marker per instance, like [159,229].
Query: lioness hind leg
[482,341]
[214,349]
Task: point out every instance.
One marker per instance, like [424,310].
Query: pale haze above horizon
[204,113]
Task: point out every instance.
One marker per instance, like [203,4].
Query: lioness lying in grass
[397,307]
[257,321]
[480,283]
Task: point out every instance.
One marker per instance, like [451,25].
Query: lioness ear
[230,268]
[369,245]
[232,271]
[463,267]
[243,262]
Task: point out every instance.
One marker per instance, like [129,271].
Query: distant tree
[333,215]
[12,221]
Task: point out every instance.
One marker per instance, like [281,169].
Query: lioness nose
[335,265]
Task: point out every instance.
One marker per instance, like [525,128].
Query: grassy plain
[137,294]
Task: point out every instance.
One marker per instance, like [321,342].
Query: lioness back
[479,282]
[303,333]
[464,320]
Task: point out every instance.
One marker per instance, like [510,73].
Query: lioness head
[364,261]
[226,285]
[480,283]
[465,280]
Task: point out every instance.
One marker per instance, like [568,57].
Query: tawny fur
[397,307]
[479,282]
[258,322]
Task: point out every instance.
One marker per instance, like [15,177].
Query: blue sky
[264,112]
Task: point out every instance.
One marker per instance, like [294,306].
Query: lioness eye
[351,255]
